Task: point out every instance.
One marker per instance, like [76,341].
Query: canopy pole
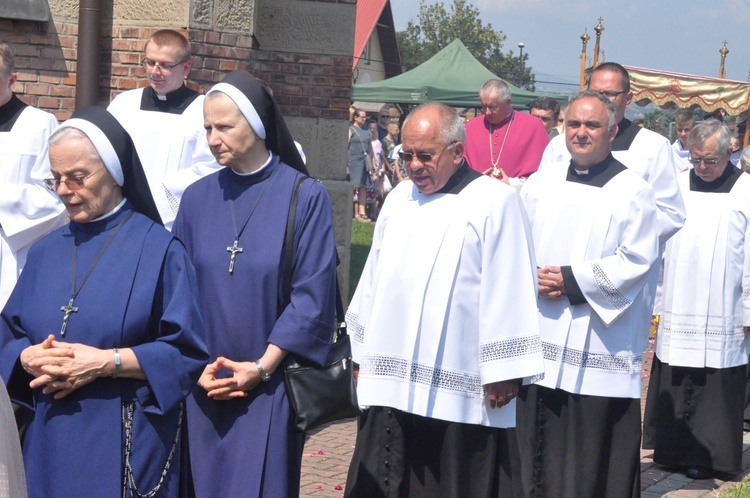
[747,130]
[585,39]
[598,28]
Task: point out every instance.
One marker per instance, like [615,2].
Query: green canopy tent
[452,76]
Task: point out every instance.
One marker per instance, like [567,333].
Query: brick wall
[307,85]
[45,62]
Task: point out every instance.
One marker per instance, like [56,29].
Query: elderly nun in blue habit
[101,337]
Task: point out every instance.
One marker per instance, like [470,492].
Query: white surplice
[608,237]
[650,156]
[447,303]
[707,280]
[27,209]
[680,156]
[172,148]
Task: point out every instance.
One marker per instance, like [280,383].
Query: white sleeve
[611,284]
[27,209]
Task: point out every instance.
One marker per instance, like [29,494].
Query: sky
[681,36]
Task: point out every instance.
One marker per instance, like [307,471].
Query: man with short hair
[593,223]
[683,122]
[165,120]
[696,396]
[384,118]
[547,110]
[438,377]
[639,149]
[27,209]
[503,143]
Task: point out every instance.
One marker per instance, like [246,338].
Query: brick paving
[328,451]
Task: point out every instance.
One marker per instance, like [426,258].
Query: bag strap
[355,132]
[288,253]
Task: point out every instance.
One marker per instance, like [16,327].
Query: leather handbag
[318,394]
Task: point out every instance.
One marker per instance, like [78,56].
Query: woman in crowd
[233,224]
[356,169]
[101,336]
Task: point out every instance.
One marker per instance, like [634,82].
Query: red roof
[368,13]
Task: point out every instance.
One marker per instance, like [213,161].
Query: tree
[435,28]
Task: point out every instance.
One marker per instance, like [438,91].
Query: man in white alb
[165,120]
[693,418]
[683,122]
[27,209]
[639,149]
[451,251]
[594,227]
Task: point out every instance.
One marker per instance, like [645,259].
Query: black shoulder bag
[318,395]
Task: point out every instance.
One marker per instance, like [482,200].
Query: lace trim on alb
[434,378]
[514,347]
[172,201]
[608,289]
[625,363]
[356,329]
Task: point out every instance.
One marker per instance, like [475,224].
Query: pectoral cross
[234,250]
[67,310]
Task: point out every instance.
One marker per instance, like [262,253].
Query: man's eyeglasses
[710,162]
[73,183]
[161,65]
[424,157]
[612,95]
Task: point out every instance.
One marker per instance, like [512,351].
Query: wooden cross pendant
[67,310]
[234,249]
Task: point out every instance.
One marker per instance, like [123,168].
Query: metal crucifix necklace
[70,309]
[235,247]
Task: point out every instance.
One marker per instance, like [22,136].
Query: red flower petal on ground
[338,487]
[319,486]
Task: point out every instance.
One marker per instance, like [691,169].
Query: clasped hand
[245,377]
[551,284]
[61,367]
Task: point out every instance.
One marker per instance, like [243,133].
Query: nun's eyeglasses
[151,64]
[73,183]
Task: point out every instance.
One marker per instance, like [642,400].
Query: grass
[741,490]
[361,242]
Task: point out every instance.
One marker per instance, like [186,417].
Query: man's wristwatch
[264,376]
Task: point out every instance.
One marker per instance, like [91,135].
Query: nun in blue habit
[102,338]
[233,224]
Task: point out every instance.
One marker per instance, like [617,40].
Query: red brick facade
[307,85]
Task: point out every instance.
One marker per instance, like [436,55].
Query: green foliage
[436,27]
[361,242]
[741,490]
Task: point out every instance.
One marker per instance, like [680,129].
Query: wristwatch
[264,376]
[118,363]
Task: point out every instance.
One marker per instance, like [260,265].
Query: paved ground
[328,451]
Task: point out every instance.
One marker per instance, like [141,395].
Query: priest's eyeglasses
[424,157]
[710,162]
[151,64]
[612,95]
[73,183]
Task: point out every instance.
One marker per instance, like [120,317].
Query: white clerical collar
[579,172]
[265,164]
[117,208]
